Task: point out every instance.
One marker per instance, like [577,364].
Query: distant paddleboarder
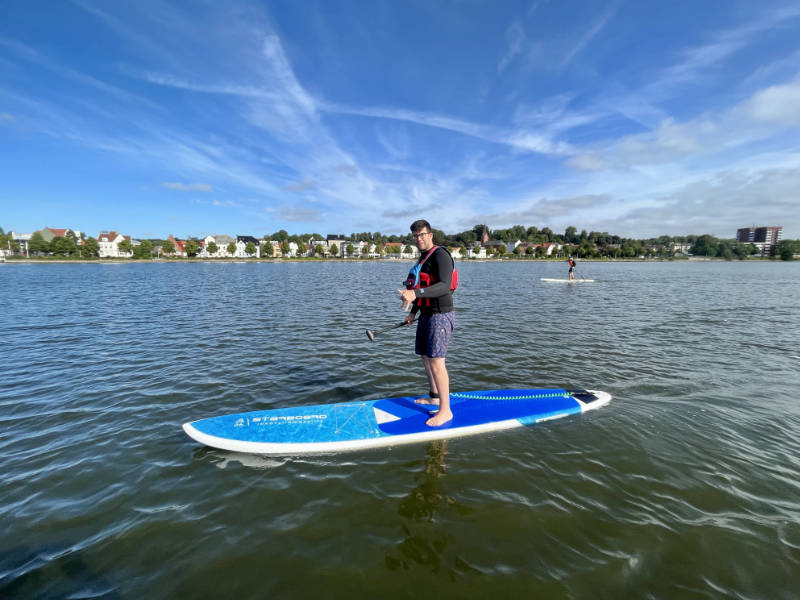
[571,263]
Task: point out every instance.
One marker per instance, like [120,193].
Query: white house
[339,241]
[476,252]
[221,240]
[23,239]
[241,244]
[455,252]
[109,242]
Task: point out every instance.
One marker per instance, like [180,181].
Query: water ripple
[697,456]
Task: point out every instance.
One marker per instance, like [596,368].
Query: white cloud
[779,104]
[588,162]
[766,114]
[719,204]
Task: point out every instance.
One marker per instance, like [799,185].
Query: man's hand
[409,319]
[408,297]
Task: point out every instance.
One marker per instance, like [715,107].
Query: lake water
[686,486]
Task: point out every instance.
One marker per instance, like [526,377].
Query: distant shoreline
[123,261]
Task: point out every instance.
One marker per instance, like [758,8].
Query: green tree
[37,244]
[125,247]
[301,249]
[501,250]
[786,249]
[570,235]
[705,245]
[334,250]
[286,249]
[319,250]
[250,249]
[191,248]
[168,247]
[212,248]
[90,248]
[63,245]
[267,249]
[518,251]
[143,250]
[350,249]
[230,249]
[408,249]
[279,236]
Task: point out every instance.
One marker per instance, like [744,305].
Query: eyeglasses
[417,236]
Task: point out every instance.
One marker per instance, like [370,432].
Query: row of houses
[244,246]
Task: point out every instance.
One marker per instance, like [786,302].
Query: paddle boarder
[429,291]
[571,263]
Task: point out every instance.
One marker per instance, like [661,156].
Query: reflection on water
[51,572]
[425,539]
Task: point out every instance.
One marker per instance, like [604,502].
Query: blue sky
[636,118]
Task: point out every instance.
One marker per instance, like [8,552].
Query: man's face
[423,239]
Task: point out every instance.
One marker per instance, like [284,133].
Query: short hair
[418,226]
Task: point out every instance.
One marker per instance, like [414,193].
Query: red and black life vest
[417,279]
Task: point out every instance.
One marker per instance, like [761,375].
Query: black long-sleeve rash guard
[440,267]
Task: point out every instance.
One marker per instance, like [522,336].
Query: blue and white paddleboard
[579,280]
[385,422]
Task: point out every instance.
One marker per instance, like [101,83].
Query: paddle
[371,334]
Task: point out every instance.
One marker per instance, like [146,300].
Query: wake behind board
[549,280]
[385,422]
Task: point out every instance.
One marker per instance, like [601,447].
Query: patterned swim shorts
[433,334]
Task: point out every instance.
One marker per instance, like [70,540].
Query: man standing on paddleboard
[571,263]
[429,291]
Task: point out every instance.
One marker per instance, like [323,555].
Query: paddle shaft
[385,329]
[371,334]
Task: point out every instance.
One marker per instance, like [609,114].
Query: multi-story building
[109,241]
[763,238]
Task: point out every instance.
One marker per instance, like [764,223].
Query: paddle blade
[370,335]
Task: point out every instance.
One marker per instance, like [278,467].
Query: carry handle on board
[371,334]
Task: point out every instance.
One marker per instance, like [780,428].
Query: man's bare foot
[427,400]
[439,419]
[432,398]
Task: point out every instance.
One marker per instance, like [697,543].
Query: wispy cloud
[515,35]
[296,214]
[187,187]
[523,140]
[545,211]
[695,62]
[301,186]
[592,32]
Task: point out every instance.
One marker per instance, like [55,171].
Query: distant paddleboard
[385,422]
[576,280]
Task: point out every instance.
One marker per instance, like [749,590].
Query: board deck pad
[385,422]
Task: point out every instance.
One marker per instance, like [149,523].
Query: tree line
[591,244]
